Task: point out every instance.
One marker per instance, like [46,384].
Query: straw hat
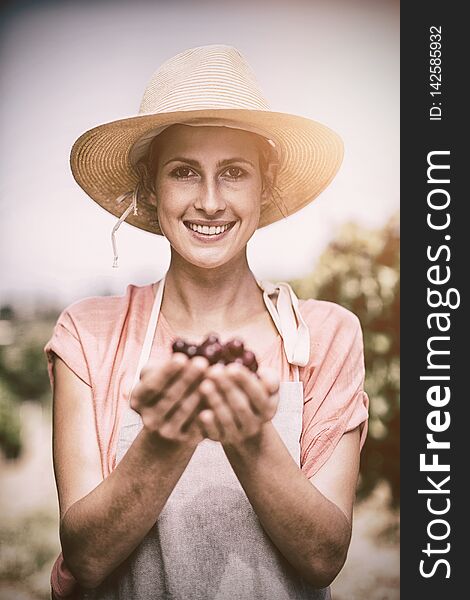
[209,85]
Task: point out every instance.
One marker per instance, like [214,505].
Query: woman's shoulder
[334,330]
[336,341]
[323,314]
[88,331]
[101,311]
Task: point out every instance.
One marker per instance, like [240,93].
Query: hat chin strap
[132,207]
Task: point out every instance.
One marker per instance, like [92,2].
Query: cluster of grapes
[217,352]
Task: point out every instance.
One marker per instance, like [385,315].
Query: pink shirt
[100,340]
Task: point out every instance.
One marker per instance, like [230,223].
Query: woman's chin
[207,260]
[207,263]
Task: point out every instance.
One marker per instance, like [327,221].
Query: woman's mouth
[209,232]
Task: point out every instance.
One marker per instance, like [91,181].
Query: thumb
[270,379]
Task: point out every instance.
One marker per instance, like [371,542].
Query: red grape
[235,347]
[217,353]
[210,339]
[191,350]
[213,353]
[179,345]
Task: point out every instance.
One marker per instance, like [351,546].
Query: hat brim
[310,155]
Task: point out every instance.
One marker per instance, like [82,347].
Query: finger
[270,379]
[208,424]
[174,363]
[263,403]
[153,380]
[188,381]
[235,397]
[177,387]
[222,412]
[172,426]
[251,385]
[185,411]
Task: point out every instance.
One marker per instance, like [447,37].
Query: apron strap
[296,373]
[149,334]
[289,321]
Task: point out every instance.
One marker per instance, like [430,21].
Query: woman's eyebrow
[221,163]
[238,159]
[189,161]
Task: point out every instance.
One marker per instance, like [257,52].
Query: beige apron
[208,543]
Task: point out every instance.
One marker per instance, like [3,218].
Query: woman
[178,479]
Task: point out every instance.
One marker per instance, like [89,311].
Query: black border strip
[420,135]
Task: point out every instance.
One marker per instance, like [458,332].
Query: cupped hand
[238,402]
[168,399]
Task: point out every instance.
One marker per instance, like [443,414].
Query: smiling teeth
[206,230]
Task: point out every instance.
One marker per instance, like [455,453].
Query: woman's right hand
[168,400]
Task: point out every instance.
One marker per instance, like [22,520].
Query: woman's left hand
[239,402]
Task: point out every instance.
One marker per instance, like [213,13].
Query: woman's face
[208,192]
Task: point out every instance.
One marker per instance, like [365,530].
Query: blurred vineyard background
[359,270]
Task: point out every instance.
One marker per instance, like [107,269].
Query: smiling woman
[198,480]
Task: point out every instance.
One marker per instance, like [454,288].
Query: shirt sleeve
[63,584]
[66,343]
[334,397]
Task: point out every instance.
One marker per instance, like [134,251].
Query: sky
[68,66]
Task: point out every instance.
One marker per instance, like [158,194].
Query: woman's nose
[210,198]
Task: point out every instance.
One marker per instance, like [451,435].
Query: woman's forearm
[101,530]
[310,531]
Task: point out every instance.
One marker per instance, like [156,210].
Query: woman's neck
[210,299]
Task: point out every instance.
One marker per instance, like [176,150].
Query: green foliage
[7,312]
[23,376]
[23,367]
[360,271]
[9,425]
[23,370]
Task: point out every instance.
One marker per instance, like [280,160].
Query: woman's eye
[235,172]
[182,172]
